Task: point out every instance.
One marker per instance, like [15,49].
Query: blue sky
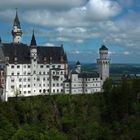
[82,26]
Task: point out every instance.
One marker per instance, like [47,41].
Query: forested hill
[112,115]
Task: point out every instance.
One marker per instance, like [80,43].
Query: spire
[78,63]
[104,48]
[16,20]
[33,40]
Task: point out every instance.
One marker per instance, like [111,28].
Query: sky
[82,26]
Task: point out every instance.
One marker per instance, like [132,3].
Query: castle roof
[33,40]
[103,47]
[88,75]
[77,63]
[16,21]
[22,53]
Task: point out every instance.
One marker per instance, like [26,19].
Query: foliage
[113,114]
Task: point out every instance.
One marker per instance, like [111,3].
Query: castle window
[28,66]
[19,86]
[12,66]
[18,66]
[47,66]
[43,79]
[12,87]
[57,90]
[20,79]
[18,73]
[41,66]
[12,73]
[12,80]
[44,73]
[28,79]
[40,90]
[28,85]
[29,73]
[59,66]
[61,72]
[53,90]
[57,84]
[40,73]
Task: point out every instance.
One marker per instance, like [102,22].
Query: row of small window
[41,66]
[40,85]
[44,91]
[18,66]
[86,85]
[21,74]
[88,79]
[38,79]
[86,91]
[40,73]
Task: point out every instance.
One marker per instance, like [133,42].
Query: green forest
[111,115]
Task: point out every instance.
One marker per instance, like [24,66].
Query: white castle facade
[29,70]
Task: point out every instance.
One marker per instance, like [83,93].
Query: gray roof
[16,21]
[22,53]
[103,48]
[33,40]
[88,75]
[77,63]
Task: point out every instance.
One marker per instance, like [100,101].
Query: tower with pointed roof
[103,63]
[16,31]
[33,55]
[78,67]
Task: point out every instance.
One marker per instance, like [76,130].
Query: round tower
[16,31]
[103,63]
[78,67]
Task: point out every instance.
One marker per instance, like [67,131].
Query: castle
[29,70]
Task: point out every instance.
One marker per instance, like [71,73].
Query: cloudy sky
[82,26]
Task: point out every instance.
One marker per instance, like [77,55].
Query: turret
[103,63]
[16,31]
[78,67]
[33,55]
[33,47]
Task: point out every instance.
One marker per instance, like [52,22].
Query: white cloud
[41,4]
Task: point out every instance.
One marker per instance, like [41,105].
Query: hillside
[111,115]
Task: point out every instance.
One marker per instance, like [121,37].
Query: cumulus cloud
[93,10]
[41,4]
[78,20]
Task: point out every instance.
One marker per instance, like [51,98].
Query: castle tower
[33,55]
[78,67]
[103,63]
[16,31]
